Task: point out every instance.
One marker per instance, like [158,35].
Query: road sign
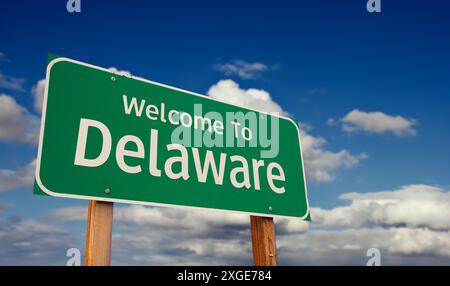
[112,137]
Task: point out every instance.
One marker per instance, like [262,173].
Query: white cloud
[120,72]
[229,91]
[169,217]
[159,216]
[378,122]
[391,221]
[205,237]
[12,83]
[242,69]
[15,179]
[174,236]
[411,206]
[16,123]
[38,93]
[31,242]
[398,246]
[320,164]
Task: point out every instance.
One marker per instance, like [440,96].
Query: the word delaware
[274,172]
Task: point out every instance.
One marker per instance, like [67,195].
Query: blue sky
[323,59]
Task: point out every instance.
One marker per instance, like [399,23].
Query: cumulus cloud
[229,91]
[161,217]
[320,164]
[120,72]
[242,69]
[16,123]
[410,206]
[38,93]
[11,83]
[191,237]
[409,225]
[378,123]
[172,236]
[31,242]
[398,246]
[392,221]
[15,179]
[194,237]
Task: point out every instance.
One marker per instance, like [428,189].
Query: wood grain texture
[99,234]
[263,241]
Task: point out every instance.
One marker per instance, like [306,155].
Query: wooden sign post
[99,234]
[263,241]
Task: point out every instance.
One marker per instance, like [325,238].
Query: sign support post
[263,241]
[99,234]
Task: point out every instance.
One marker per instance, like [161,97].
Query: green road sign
[113,137]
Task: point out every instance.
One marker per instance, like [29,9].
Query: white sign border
[54,194]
